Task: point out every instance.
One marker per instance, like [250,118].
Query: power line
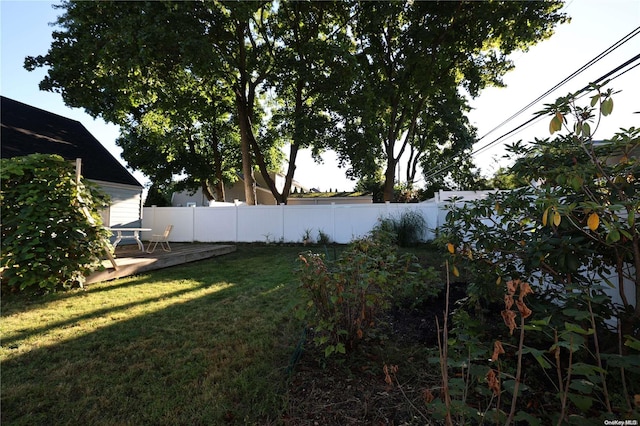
[596,59]
[539,117]
[584,89]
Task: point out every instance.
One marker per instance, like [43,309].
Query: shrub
[323,238]
[407,230]
[47,241]
[574,224]
[345,299]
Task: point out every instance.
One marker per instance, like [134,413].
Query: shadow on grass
[212,359]
[97,314]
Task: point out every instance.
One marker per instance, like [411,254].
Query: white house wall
[126,204]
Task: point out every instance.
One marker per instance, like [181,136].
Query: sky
[595,26]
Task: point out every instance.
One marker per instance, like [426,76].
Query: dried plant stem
[443,352]
[498,403]
[516,386]
[565,388]
[598,357]
[557,356]
[408,400]
[622,373]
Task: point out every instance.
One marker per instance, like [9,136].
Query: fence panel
[315,218]
[341,222]
[259,223]
[182,219]
[219,224]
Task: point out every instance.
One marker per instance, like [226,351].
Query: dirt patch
[357,391]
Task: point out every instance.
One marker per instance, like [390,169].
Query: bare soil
[357,391]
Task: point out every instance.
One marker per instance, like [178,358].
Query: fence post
[193,224]
[236,203]
[333,222]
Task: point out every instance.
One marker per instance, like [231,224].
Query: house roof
[317,194]
[29,130]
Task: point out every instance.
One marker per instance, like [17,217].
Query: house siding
[306,201]
[126,205]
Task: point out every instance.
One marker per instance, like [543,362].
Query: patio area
[131,260]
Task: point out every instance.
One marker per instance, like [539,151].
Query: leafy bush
[47,241]
[323,238]
[345,299]
[574,224]
[407,230]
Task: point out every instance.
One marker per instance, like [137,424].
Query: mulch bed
[355,392]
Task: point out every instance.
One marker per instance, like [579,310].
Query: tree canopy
[208,89]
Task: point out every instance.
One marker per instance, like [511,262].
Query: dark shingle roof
[29,130]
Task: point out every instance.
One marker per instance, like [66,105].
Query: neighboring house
[325,198]
[236,192]
[29,130]
[443,196]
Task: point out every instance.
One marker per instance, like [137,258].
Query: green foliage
[48,243]
[553,358]
[158,195]
[407,230]
[572,226]
[373,184]
[503,179]
[408,78]
[289,71]
[323,238]
[344,299]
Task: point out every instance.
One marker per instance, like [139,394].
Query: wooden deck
[131,260]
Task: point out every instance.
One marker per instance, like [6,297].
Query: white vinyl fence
[241,223]
[341,222]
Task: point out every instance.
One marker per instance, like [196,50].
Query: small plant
[323,238]
[268,238]
[408,230]
[306,237]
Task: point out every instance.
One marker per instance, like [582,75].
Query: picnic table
[130,233]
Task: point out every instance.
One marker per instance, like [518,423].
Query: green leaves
[346,297]
[607,107]
[556,123]
[47,242]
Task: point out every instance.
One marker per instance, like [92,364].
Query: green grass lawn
[203,343]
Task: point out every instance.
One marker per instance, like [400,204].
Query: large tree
[412,54]
[312,65]
[132,64]
[157,68]
[367,79]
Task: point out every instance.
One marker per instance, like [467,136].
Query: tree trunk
[219,188]
[219,181]
[204,185]
[244,108]
[245,146]
[262,165]
[389,179]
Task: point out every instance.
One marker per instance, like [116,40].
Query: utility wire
[539,117]
[585,89]
[597,58]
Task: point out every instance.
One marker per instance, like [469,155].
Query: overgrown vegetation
[347,297]
[52,233]
[407,230]
[576,357]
